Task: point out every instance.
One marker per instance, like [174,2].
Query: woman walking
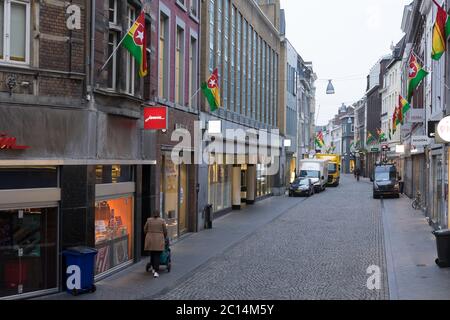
[155,234]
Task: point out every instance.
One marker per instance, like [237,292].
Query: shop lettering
[190,311]
[8,142]
[74,278]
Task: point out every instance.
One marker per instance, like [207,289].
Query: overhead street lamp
[330,88]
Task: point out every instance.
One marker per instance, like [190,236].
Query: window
[112,66]
[193,86]
[263,83]
[245,61]
[250,60]
[226,21]
[219,40]
[212,34]
[15,31]
[112,11]
[233,52]
[131,63]
[163,66]
[28,177]
[238,63]
[179,72]
[194,8]
[182,3]
[254,74]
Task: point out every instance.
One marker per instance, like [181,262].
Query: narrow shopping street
[319,249]
[297,249]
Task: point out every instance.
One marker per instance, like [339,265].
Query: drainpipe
[92,58]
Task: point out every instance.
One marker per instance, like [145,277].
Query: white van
[317,171]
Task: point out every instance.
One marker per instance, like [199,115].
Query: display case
[113,233]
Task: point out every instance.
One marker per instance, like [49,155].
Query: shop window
[28,250]
[113,174]
[170,192]
[219,186]
[28,177]
[114,233]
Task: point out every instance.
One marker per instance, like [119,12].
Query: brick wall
[57,55]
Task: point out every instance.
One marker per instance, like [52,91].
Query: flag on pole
[403,108]
[415,75]
[441,31]
[370,139]
[394,120]
[319,140]
[135,42]
[211,90]
[381,135]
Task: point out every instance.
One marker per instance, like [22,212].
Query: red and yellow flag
[441,32]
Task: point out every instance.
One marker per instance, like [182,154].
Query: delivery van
[317,171]
[334,168]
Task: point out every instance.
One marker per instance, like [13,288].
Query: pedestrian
[401,184]
[358,173]
[155,238]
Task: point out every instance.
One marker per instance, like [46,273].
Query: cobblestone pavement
[319,250]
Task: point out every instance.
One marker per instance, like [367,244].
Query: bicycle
[418,202]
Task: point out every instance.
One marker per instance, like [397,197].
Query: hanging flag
[403,108]
[381,135]
[135,42]
[319,140]
[399,120]
[211,91]
[415,75]
[441,31]
[370,139]
[394,121]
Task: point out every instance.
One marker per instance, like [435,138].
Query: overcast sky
[343,39]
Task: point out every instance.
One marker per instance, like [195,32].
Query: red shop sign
[155,118]
[8,142]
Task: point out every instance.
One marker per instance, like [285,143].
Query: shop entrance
[28,250]
[244,187]
[175,196]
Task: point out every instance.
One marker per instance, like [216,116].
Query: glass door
[28,250]
[170,183]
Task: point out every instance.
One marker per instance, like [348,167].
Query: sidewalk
[188,254]
[411,254]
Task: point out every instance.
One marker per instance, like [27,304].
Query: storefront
[175,195]
[263,181]
[114,230]
[29,232]
[220,185]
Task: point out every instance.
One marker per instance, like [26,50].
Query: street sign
[375,150]
[420,141]
[155,118]
[443,129]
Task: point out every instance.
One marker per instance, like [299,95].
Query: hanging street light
[330,88]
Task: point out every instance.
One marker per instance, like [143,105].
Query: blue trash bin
[79,270]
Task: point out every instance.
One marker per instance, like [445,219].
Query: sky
[344,39]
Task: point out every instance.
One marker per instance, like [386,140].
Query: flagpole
[118,46]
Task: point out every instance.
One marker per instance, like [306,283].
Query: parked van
[317,171]
[334,168]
